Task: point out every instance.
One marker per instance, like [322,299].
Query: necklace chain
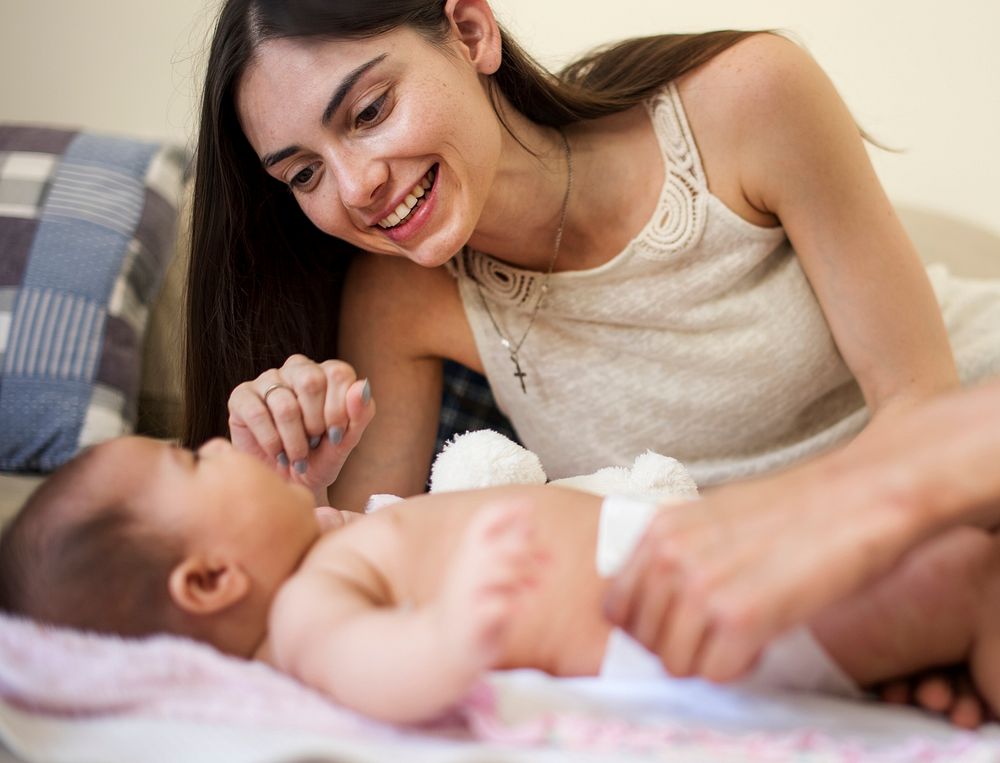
[513,348]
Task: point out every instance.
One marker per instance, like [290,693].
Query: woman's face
[389,143]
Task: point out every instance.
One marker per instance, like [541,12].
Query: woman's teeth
[411,202]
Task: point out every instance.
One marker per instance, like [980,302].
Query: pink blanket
[57,673]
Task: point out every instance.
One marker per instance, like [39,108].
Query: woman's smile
[410,215]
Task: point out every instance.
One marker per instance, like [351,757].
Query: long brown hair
[263,282]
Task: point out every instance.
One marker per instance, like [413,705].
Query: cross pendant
[518,372]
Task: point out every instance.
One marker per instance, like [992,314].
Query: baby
[396,614]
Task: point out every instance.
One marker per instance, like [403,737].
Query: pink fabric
[54,672]
[614,735]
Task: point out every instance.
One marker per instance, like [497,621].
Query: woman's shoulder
[748,108]
[754,77]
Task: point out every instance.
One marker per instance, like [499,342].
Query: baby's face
[218,498]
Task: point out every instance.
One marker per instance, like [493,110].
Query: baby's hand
[329,518]
[496,563]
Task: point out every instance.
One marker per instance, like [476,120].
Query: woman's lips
[418,212]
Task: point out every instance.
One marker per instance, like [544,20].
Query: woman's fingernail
[366,393]
[315,441]
[335,434]
[283,460]
[301,466]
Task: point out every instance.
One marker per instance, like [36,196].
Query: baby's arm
[331,629]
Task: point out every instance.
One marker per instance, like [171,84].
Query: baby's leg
[985,660]
[934,608]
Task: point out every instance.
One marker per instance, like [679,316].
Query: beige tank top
[702,340]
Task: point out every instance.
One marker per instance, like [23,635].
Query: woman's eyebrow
[336,100]
[345,87]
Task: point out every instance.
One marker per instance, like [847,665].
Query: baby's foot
[934,591]
[985,659]
[947,691]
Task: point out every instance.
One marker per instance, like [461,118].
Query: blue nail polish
[315,441]
[300,466]
[283,460]
[366,393]
[336,434]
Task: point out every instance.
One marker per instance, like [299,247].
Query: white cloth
[795,660]
[378,501]
[702,339]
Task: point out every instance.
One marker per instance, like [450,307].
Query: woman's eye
[371,113]
[302,177]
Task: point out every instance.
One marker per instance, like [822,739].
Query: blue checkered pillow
[87,226]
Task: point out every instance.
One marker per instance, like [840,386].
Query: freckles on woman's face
[389,142]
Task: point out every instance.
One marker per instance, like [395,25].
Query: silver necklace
[514,348]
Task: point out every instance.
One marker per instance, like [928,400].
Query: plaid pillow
[87,225]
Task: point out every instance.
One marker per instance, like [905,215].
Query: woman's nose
[361,181]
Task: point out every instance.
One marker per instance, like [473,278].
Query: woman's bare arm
[398,322]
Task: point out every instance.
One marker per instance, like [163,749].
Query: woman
[679,244]
[619,245]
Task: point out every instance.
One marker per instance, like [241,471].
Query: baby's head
[135,536]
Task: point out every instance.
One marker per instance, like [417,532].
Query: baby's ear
[202,586]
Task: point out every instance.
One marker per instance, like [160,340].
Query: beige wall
[919,75]
[122,65]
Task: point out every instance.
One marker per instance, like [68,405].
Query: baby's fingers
[501,538]
[512,517]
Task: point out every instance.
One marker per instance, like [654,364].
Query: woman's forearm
[939,461]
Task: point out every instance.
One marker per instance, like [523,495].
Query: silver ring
[273,387]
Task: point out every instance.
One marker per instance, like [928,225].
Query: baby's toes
[935,693]
[967,711]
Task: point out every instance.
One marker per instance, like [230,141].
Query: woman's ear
[203,586]
[474,26]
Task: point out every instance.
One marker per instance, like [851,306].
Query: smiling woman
[730,266]
[362,117]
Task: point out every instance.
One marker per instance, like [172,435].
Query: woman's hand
[713,581]
[303,418]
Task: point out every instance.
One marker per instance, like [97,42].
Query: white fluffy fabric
[485,458]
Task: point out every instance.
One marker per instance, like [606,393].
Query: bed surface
[76,698]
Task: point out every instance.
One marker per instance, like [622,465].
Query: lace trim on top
[677,223]
[679,220]
[502,282]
